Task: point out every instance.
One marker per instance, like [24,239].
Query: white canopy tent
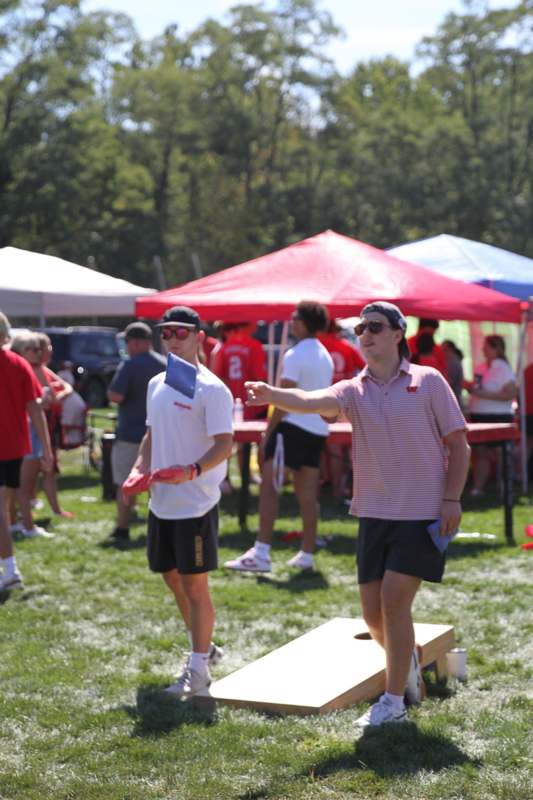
[39,285]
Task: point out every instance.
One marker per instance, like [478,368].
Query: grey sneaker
[9,582]
[380,713]
[415,690]
[216,654]
[188,683]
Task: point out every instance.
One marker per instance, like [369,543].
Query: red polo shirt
[18,387]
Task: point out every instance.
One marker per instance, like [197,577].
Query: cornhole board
[329,668]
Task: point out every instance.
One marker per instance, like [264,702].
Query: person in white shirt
[491,395]
[308,366]
[192,437]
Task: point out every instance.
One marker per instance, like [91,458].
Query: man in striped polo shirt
[410,470]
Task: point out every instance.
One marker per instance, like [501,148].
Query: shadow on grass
[397,750]
[158,715]
[383,753]
[473,547]
[85,480]
[123,544]
[305,581]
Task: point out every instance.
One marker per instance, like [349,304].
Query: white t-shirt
[310,366]
[493,378]
[182,431]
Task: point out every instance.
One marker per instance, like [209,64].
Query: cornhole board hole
[329,668]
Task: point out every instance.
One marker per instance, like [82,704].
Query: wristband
[197,468]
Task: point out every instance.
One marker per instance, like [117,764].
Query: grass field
[87,647]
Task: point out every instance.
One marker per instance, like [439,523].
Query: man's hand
[176,474]
[257,393]
[136,482]
[450,517]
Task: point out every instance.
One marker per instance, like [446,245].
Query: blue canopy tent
[473,262]
[486,265]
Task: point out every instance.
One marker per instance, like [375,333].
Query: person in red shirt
[426,355]
[429,326]
[236,358]
[20,395]
[347,362]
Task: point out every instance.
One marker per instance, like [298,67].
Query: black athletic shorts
[10,473]
[188,545]
[400,545]
[301,448]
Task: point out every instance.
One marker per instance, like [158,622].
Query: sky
[373,29]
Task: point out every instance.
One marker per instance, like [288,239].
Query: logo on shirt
[182,405]
[412,388]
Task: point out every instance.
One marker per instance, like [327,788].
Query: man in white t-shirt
[194,438]
[308,366]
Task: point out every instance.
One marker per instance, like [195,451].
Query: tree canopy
[205,149]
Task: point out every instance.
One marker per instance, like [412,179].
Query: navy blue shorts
[400,545]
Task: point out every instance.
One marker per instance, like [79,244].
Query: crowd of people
[174,435]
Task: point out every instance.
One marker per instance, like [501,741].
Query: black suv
[94,354]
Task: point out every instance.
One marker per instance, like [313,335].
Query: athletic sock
[10,565]
[395,700]
[262,549]
[199,662]
[189,637]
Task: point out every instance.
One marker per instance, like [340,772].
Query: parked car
[94,355]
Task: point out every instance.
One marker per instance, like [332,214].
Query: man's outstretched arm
[296,400]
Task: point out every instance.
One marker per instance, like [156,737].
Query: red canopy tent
[340,272]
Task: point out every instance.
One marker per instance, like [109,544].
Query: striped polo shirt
[399,458]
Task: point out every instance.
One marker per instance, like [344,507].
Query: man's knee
[196,587]
[373,617]
[173,581]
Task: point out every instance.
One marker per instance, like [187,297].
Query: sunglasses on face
[180,333]
[373,327]
[33,349]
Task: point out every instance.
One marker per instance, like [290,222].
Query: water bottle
[238,410]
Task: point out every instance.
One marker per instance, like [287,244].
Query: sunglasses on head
[373,326]
[180,333]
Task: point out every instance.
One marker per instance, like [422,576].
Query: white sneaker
[188,683]
[37,532]
[249,562]
[415,690]
[37,503]
[302,560]
[216,654]
[382,712]
[9,582]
